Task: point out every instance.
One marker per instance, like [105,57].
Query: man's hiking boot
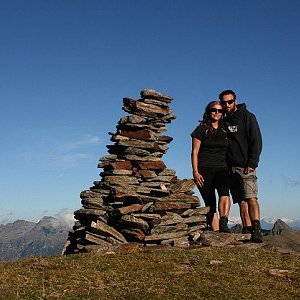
[247,230]
[257,236]
[223,225]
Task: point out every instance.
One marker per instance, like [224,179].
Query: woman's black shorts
[214,179]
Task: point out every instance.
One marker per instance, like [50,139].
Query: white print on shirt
[233,128]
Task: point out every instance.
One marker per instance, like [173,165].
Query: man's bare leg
[254,213]
[244,213]
[253,209]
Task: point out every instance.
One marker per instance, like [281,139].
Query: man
[245,145]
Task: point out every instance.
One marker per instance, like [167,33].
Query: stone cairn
[138,199]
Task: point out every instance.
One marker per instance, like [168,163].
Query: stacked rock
[138,199]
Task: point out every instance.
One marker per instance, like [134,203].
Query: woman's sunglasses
[216,110]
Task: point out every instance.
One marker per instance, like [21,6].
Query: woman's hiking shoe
[256,236]
[223,225]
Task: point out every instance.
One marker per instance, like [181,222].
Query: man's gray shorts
[242,186]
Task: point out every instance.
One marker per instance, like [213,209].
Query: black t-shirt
[213,146]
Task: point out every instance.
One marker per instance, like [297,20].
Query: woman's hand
[198,179]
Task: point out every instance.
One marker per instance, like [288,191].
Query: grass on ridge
[204,273]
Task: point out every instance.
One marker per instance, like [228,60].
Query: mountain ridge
[48,236]
[23,238]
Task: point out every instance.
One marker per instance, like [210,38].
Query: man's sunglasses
[216,110]
[227,102]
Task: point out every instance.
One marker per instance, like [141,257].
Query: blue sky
[66,65]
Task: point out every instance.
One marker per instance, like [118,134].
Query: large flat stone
[152,191]
[182,186]
[153,94]
[133,234]
[106,230]
[165,236]
[170,206]
[156,102]
[90,194]
[134,119]
[88,213]
[149,158]
[136,151]
[141,144]
[182,242]
[96,239]
[215,239]
[125,165]
[199,211]
[143,134]
[147,216]
[116,172]
[134,222]
[109,157]
[139,106]
[94,203]
[165,138]
[190,199]
[169,218]
[195,219]
[129,209]
[121,180]
[146,174]
[159,229]
[150,165]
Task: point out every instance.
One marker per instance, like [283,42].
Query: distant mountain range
[283,237]
[47,237]
[267,223]
[280,236]
[22,238]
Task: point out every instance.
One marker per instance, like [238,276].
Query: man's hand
[248,170]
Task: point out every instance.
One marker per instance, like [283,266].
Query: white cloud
[284,219]
[81,142]
[7,218]
[70,152]
[67,153]
[234,220]
[69,159]
[65,217]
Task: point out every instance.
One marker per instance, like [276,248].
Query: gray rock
[165,236]
[132,221]
[209,238]
[101,228]
[161,229]
[182,186]
[129,209]
[153,94]
[170,218]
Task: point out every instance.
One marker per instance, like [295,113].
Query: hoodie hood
[241,109]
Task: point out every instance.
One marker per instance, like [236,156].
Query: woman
[210,171]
